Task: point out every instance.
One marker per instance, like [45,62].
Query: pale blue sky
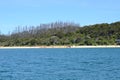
[33,12]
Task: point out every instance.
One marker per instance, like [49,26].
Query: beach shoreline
[98,46]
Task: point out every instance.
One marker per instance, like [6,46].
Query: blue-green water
[60,64]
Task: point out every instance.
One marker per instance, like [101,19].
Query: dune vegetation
[63,33]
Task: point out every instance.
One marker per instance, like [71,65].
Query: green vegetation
[60,33]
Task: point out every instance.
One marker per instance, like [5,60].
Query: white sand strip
[100,46]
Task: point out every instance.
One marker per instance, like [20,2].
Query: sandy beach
[98,46]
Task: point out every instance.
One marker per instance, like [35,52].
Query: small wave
[4,71]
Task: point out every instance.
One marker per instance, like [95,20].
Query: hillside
[60,33]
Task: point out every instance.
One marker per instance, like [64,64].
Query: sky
[15,13]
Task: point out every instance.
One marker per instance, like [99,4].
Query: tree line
[63,33]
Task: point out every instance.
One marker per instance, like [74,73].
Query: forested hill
[60,33]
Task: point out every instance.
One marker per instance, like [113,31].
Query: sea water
[60,64]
